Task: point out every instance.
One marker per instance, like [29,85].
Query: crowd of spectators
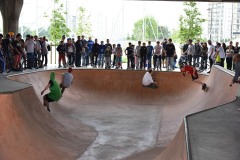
[84,53]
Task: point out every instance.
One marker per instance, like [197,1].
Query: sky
[110,18]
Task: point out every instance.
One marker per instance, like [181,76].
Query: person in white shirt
[190,51]
[30,45]
[148,81]
[211,54]
[67,80]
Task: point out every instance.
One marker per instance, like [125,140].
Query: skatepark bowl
[106,115]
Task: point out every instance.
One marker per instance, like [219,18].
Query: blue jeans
[3,64]
[100,60]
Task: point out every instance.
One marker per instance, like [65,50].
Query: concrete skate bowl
[130,121]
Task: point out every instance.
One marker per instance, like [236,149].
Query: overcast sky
[110,16]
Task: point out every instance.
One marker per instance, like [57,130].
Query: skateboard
[205,87]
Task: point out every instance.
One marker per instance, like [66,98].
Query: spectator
[107,55]
[229,55]
[44,51]
[190,51]
[71,52]
[29,45]
[170,52]
[204,56]
[38,47]
[197,52]
[101,54]
[236,78]
[2,59]
[84,57]
[221,53]
[114,55]
[211,54]
[61,52]
[137,55]
[95,51]
[78,47]
[164,45]
[157,55]
[17,51]
[143,56]
[149,55]
[119,56]
[130,57]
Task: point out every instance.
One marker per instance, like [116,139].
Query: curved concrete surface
[129,119]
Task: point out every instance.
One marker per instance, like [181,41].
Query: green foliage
[58,25]
[152,30]
[190,23]
[84,25]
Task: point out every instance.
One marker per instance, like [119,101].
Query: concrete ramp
[128,118]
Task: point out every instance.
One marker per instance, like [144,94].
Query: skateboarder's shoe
[48,109]
[204,86]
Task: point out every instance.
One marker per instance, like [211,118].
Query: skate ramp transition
[85,124]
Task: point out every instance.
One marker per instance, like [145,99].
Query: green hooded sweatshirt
[55,91]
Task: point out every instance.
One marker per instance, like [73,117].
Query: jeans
[30,60]
[149,62]
[3,64]
[78,60]
[204,62]
[195,59]
[100,60]
[155,58]
[108,62]
[170,63]
[137,61]
[190,59]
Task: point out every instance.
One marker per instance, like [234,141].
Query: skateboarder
[55,91]
[67,80]
[192,70]
[148,81]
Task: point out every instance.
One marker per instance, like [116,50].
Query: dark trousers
[155,58]
[149,62]
[190,59]
[211,62]
[45,59]
[114,59]
[222,62]
[143,61]
[204,62]
[78,60]
[229,63]
[30,60]
[195,59]
[94,58]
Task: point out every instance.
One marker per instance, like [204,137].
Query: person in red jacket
[192,70]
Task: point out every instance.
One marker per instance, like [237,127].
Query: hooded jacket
[55,91]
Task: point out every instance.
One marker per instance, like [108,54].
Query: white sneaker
[4,73]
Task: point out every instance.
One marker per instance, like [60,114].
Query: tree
[58,25]
[152,30]
[84,25]
[190,23]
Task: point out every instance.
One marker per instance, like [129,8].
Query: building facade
[223,21]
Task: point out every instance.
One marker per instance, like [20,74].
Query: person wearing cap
[67,80]
[148,81]
[55,91]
